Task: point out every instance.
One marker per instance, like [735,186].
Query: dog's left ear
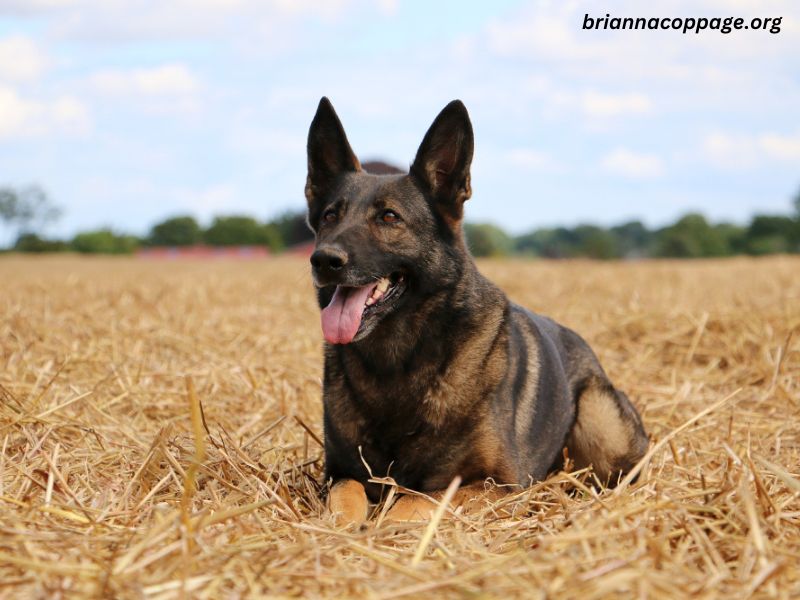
[443,160]
[329,153]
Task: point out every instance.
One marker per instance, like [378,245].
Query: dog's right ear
[329,154]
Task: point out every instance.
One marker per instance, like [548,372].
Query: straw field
[114,482]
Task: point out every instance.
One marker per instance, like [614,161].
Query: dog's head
[384,242]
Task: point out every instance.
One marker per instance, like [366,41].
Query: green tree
[797,206]
[526,244]
[239,230]
[559,242]
[485,239]
[595,242]
[27,209]
[735,236]
[176,231]
[771,234]
[30,242]
[691,237]
[292,228]
[104,241]
[634,239]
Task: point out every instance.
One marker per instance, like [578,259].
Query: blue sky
[128,112]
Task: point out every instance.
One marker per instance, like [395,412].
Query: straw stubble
[160,426]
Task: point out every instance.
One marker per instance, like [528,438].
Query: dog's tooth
[383,285]
[370,301]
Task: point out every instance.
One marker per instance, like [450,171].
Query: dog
[430,371]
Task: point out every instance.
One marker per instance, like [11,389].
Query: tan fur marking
[418,508]
[411,508]
[347,502]
[491,455]
[456,385]
[527,400]
[600,436]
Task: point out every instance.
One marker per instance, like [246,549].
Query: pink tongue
[341,318]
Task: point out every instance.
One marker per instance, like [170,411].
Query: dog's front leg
[347,502]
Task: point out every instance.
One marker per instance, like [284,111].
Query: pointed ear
[329,152]
[444,157]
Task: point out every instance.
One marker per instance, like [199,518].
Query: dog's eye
[329,216]
[389,216]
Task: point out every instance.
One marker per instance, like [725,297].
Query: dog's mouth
[353,310]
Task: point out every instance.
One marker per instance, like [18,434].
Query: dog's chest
[418,458]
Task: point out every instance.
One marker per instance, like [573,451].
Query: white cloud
[597,104]
[634,165]
[209,201]
[557,98]
[543,37]
[530,159]
[70,114]
[124,21]
[389,7]
[170,89]
[14,113]
[20,59]
[735,151]
[551,33]
[730,151]
[781,147]
[329,9]
[165,80]
[26,7]
[598,108]
[22,117]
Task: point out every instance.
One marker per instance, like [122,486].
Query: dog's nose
[328,259]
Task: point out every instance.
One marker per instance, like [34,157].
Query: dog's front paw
[347,503]
[411,508]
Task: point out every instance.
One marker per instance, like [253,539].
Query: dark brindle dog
[430,371]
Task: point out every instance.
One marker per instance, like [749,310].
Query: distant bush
[691,237]
[292,228]
[242,231]
[770,234]
[104,241]
[596,242]
[633,239]
[733,236]
[484,239]
[558,242]
[176,231]
[30,242]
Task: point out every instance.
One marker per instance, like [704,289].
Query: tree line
[691,236]
[29,210]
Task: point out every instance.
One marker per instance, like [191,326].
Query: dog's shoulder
[558,343]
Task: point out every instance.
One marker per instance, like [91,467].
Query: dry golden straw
[160,430]
[435,518]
